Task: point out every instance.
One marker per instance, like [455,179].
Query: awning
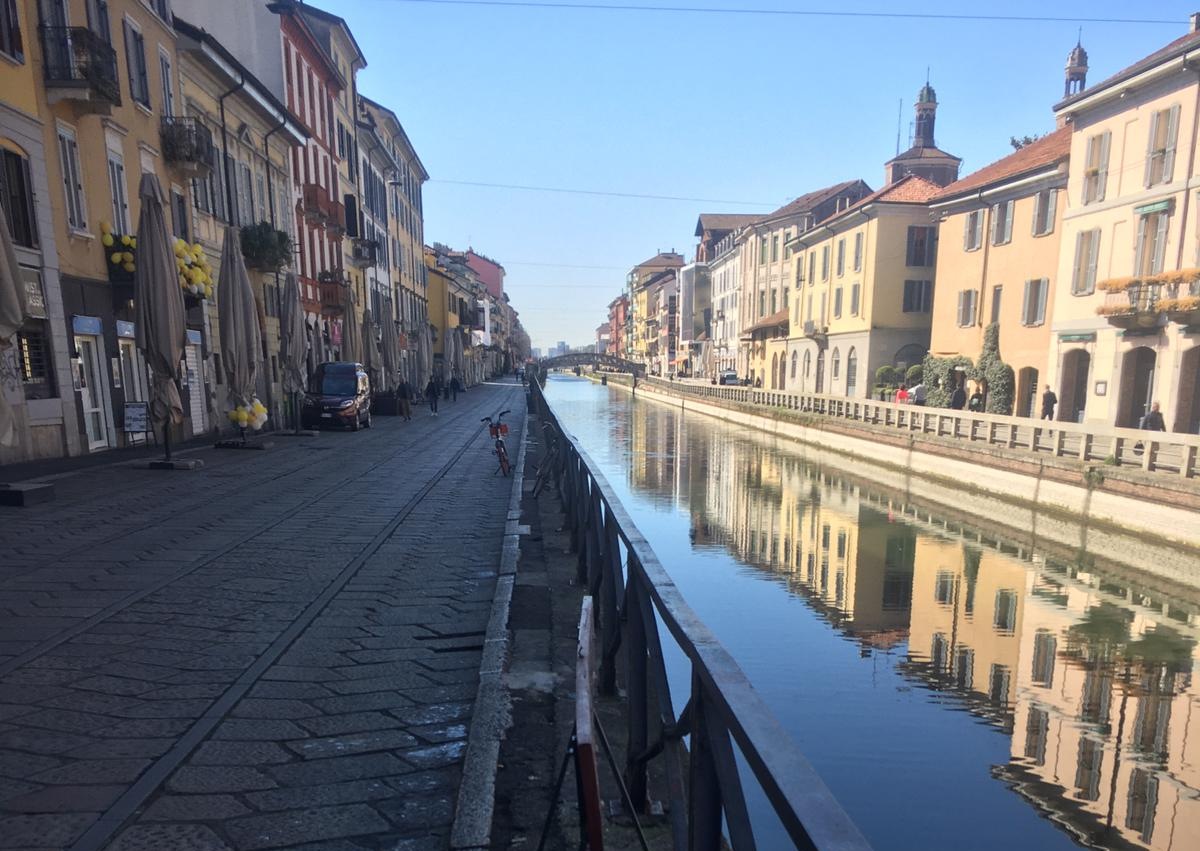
[772,321]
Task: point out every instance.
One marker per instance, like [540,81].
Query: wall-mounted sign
[88,326]
[193,337]
[1101,388]
[126,329]
[35,299]
[137,417]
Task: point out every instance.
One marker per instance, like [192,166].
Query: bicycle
[497,429]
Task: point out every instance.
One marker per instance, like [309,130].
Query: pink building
[490,273]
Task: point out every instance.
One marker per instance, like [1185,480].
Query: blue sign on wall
[125,329]
[193,337]
[87,325]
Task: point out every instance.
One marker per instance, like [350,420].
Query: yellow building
[768,272]
[1127,299]
[252,134]
[863,292]
[38,368]
[1003,269]
[643,302]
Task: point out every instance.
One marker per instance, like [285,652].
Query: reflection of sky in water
[910,765]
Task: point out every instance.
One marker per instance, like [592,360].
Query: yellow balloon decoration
[107,240]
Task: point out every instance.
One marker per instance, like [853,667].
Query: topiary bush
[887,376]
[914,375]
[266,248]
[940,374]
[1000,377]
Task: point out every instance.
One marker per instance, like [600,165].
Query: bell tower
[926,108]
[1077,68]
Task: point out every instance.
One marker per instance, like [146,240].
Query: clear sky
[730,107]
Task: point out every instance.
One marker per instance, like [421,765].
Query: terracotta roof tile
[910,189]
[663,258]
[724,221]
[1178,46]
[922,152]
[807,202]
[772,321]
[1033,157]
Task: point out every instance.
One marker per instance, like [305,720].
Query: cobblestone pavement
[279,650]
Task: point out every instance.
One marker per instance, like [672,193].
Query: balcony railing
[332,292]
[187,144]
[80,66]
[364,252]
[1147,301]
[320,206]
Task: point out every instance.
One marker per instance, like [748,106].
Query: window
[762,304]
[1160,150]
[1095,167]
[135,61]
[812,268]
[1045,645]
[16,194]
[162,8]
[841,257]
[1087,253]
[921,246]
[854,296]
[1002,219]
[774,248]
[1151,243]
[179,215]
[837,303]
[918,296]
[824,262]
[795,359]
[118,191]
[837,367]
[851,372]
[762,251]
[858,251]
[1036,727]
[999,683]
[1033,312]
[973,231]
[996,304]
[963,670]
[966,308]
[245,193]
[68,153]
[168,84]
[787,237]
[33,358]
[1005,618]
[1044,204]
[260,198]
[10,31]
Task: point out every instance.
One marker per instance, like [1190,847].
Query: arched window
[774,370]
[807,365]
[836,364]
[851,372]
[783,371]
[795,360]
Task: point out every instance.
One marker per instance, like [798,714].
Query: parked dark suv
[339,394]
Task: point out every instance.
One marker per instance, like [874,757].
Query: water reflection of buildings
[1094,691]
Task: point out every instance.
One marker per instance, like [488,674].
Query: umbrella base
[21,494]
[240,444]
[300,432]
[175,465]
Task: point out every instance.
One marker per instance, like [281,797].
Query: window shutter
[1051,210]
[1151,151]
[1043,295]
[1160,243]
[1025,311]
[968,226]
[996,222]
[1169,153]
[1008,220]
[961,298]
[1093,258]
[30,207]
[1105,141]
[1037,213]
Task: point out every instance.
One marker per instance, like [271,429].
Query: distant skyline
[742,108]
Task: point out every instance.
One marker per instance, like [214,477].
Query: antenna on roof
[927,75]
[899,123]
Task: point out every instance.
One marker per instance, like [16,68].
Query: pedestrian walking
[431,393]
[976,402]
[958,399]
[455,386]
[1049,402]
[902,395]
[918,394]
[404,399]
[1153,421]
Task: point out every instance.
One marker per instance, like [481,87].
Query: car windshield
[338,385]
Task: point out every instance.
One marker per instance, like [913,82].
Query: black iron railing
[76,56]
[186,141]
[633,594]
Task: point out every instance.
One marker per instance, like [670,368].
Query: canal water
[954,690]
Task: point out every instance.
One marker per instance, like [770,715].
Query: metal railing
[633,594]
[1152,451]
[76,56]
[187,141]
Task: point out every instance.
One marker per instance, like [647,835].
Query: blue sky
[730,107]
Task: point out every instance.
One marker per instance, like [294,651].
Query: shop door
[91,393]
[133,380]
[194,376]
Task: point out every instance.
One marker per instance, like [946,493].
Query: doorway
[1137,385]
[1072,392]
[91,392]
[1027,385]
[820,372]
[133,381]
[194,376]
[1187,411]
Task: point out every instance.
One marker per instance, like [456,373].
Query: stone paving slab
[277,651]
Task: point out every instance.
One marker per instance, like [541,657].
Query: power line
[563,265]
[797,13]
[566,191]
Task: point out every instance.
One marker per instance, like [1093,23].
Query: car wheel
[367,423]
[357,424]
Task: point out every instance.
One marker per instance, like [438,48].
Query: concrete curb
[472,827]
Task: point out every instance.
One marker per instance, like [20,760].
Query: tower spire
[1077,68]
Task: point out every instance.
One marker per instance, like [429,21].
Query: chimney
[1195,22]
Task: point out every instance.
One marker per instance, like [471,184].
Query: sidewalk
[279,650]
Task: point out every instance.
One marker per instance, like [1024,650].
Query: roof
[334,20]
[663,258]
[923,152]
[808,202]
[387,113]
[724,221]
[910,189]
[1033,157]
[1176,48]
[772,321]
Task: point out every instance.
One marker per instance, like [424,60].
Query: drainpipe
[1187,196]
[267,154]
[225,147]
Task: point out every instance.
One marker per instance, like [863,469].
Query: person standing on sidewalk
[1049,403]
[431,393]
[1153,421]
[404,399]
[454,388]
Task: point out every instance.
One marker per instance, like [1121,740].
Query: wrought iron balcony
[365,252]
[320,206]
[81,67]
[332,292]
[1136,306]
[187,144]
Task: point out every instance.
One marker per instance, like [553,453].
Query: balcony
[1146,302]
[332,292]
[319,206]
[364,253]
[188,145]
[80,67]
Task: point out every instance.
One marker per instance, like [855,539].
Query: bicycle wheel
[502,454]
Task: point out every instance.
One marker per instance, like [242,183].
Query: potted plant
[265,248]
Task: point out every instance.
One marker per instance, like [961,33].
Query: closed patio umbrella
[372,360]
[237,317]
[351,331]
[319,352]
[13,311]
[160,332]
[293,343]
[391,350]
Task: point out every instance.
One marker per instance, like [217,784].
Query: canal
[955,688]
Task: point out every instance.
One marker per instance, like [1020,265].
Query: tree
[914,375]
[999,376]
[1020,142]
[941,377]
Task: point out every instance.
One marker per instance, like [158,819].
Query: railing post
[1149,450]
[1188,461]
[704,788]
[610,596]
[636,690]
